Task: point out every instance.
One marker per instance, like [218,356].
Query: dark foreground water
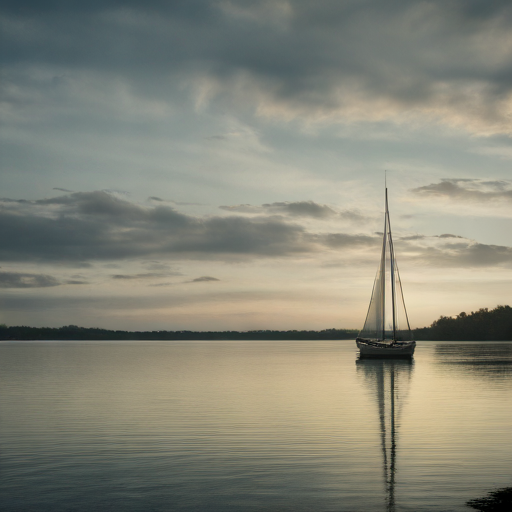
[252,426]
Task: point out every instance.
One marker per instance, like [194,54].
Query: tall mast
[392,261]
[383,274]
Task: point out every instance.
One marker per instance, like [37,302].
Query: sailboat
[386,331]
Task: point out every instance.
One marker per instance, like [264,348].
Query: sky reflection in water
[251,426]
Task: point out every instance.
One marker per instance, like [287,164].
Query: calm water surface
[252,426]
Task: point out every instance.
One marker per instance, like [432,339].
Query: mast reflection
[389,380]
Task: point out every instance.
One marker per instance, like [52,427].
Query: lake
[251,426]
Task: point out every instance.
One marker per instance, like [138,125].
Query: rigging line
[393,265]
[403,300]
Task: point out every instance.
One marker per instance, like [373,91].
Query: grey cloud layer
[466,255]
[204,279]
[468,190]
[25,280]
[353,59]
[303,209]
[83,227]
[100,226]
[298,209]
[146,275]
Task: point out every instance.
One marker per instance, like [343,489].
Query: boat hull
[376,349]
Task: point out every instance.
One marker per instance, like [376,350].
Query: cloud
[445,250]
[342,240]
[468,190]
[164,268]
[98,204]
[449,250]
[62,189]
[298,209]
[242,208]
[202,279]
[448,235]
[82,227]
[23,280]
[147,275]
[487,255]
[345,61]
[468,255]
[409,237]
[303,209]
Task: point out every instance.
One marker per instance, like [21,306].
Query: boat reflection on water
[389,381]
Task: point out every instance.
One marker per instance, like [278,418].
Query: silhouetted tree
[73,332]
[481,325]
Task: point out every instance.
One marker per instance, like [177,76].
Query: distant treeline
[481,325]
[72,332]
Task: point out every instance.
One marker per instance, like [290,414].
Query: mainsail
[387,317]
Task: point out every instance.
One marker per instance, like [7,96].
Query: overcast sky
[203,164]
